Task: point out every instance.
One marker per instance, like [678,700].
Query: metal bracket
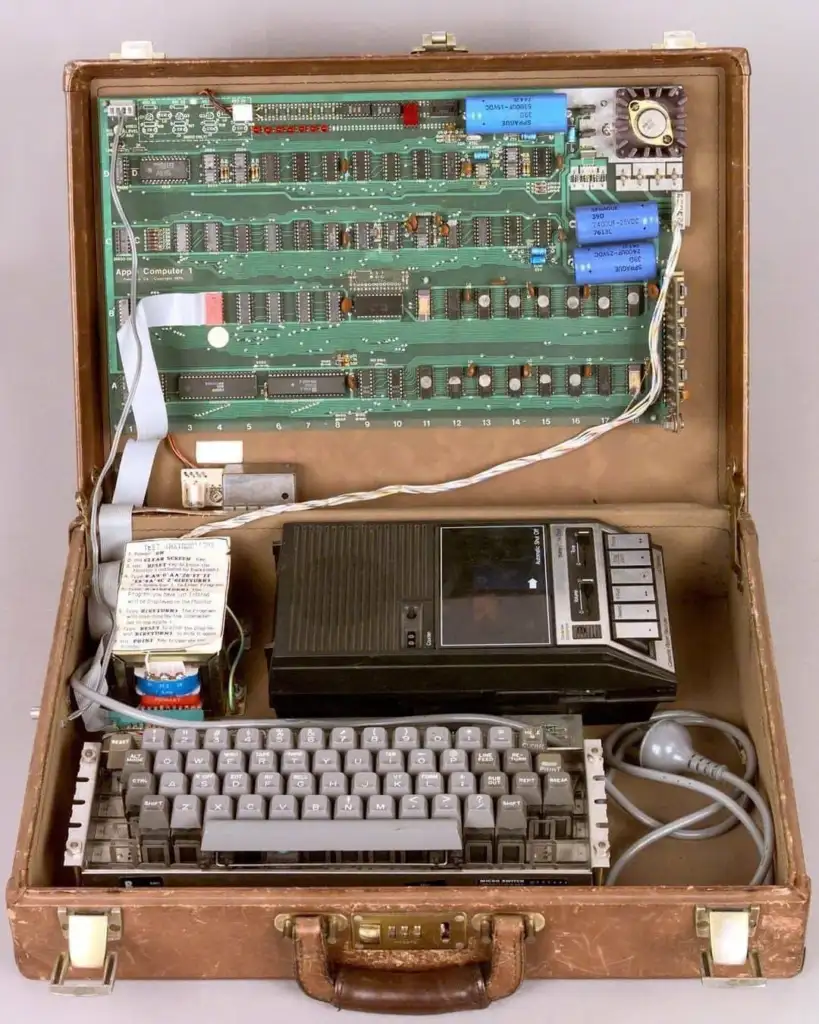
[439,42]
[482,924]
[738,498]
[88,936]
[725,941]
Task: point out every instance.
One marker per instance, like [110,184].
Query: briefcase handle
[413,991]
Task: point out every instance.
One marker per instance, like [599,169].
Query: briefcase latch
[726,940]
[439,42]
[88,937]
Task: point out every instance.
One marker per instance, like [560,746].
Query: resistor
[559,161]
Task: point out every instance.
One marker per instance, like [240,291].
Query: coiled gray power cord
[665,751]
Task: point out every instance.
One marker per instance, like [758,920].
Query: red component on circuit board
[411,115]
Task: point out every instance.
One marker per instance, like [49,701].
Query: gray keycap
[218,808]
[343,738]
[187,812]
[262,761]
[364,784]
[185,739]
[389,761]
[311,739]
[469,737]
[547,762]
[527,785]
[494,784]
[198,761]
[236,783]
[279,739]
[421,761]
[454,761]
[381,807]
[301,784]
[172,784]
[332,784]
[205,784]
[116,747]
[251,806]
[155,737]
[429,783]
[413,807]
[140,784]
[533,738]
[397,783]
[216,740]
[479,814]
[558,790]
[346,808]
[326,761]
[154,814]
[485,761]
[136,761]
[437,738]
[511,816]
[358,761]
[283,808]
[230,761]
[316,807]
[373,834]
[405,737]
[269,784]
[247,739]
[167,761]
[517,760]
[374,737]
[501,737]
[294,761]
[462,783]
[444,805]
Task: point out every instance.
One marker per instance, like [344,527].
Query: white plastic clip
[137,49]
[679,39]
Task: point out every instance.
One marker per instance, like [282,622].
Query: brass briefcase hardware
[407,931]
[87,936]
[439,42]
[725,937]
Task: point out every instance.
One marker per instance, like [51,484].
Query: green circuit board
[367,260]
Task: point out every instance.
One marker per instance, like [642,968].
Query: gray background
[38,36]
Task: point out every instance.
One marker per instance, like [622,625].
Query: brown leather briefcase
[689,488]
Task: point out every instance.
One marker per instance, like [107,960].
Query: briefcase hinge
[439,42]
[88,936]
[726,941]
[738,503]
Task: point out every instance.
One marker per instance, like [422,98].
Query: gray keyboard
[471,801]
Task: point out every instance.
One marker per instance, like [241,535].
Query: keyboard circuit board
[377,260]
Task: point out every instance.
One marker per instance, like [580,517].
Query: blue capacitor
[571,136]
[617,222]
[183,687]
[537,250]
[499,115]
[526,137]
[610,264]
[537,261]
[480,154]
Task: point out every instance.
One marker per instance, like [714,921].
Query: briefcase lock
[725,941]
[88,935]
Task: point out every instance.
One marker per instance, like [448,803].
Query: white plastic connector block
[679,39]
[87,940]
[242,112]
[729,932]
[137,49]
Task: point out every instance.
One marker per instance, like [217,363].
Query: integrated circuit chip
[217,386]
[421,164]
[300,166]
[358,108]
[306,385]
[244,238]
[391,166]
[164,170]
[378,307]
[443,108]
[388,110]
[271,166]
[360,165]
[302,234]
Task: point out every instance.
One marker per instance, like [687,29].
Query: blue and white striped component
[612,264]
[617,222]
[182,686]
[515,115]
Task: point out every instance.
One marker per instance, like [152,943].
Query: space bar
[306,836]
